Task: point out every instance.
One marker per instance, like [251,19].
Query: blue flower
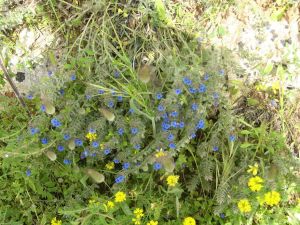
[157,166]
[50,73]
[93,154]
[181,124]
[165,126]
[28,172]
[174,114]
[55,122]
[100,92]
[120,98]
[78,142]
[117,74]
[202,88]
[30,96]
[60,148]
[193,135]
[88,97]
[174,124]
[160,108]
[165,116]
[33,130]
[159,96]
[61,91]
[67,161]
[131,111]
[73,77]
[222,215]
[111,104]
[107,151]
[187,81]
[126,165]
[92,130]
[44,141]
[120,179]
[178,91]
[67,137]
[232,138]
[222,72]
[95,144]
[113,93]
[137,147]
[171,137]
[215,95]
[215,148]
[172,145]
[192,90]
[200,124]
[116,160]
[134,130]
[43,108]
[120,131]
[206,76]
[194,107]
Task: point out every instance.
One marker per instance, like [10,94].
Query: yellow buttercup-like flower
[272,198]
[136,221]
[120,196]
[110,166]
[54,221]
[110,204]
[244,205]
[138,212]
[91,136]
[253,169]
[160,153]
[172,180]
[152,222]
[189,221]
[255,183]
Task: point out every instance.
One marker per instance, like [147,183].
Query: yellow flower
[260,200]
[189,221]
[54,221]
[172,180]
[244,205]
[93,202]
[254,183]
[120,196]
[152,222]
[110,166]
[138,212]
[253,169]
[272,198]
[91,136]
[136,221]
[110,204]
[160,153]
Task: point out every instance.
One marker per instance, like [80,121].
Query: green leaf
[126,209]
[246,145]
[252,102]
[268,68]
[96,176]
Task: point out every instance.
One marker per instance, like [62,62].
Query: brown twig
[15,89]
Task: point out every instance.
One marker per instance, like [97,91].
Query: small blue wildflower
[273,103]
[55,122]
[134,130]
[120,98]
[61,91]
[193,135]
[165,116]
[181,124]
[232,138]
[73,77]
[222,215]
[120,131]
[120,179]
[137,147]
[222,72]
[215,95]
[172,145]
[126,165]
[174,124]
[111,104]
[206,76]
[92,130]
[131,111]
[33,130]
[174,114]
[192,90]
[157,166]
[117,74]
[44,141]
[178,91]
[30,96]
[160,108]
[187,81]
[138,163]
[113,93]
[95,144]
[67,161]
[194,107]
[165,126]
[88,97]
[107,151]
[50,73]
[85,153]
[116,160]
[67,137]
[215,148]
[93,154]
[78,142]
[202,88]
[171,137]
[159,96]
[100,92]
[43,108]
[28,172]
[60,148]
[200,124]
